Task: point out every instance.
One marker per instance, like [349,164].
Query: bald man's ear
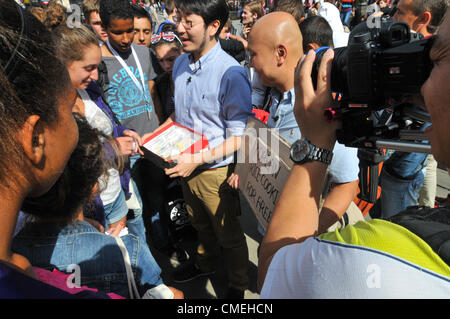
[282,53]
[422,22]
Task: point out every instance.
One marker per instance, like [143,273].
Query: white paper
[172,141]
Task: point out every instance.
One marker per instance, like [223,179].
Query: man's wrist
[304,151]
[200,158]
[326,143]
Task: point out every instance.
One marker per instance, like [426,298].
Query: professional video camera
[381,65]
[376,76]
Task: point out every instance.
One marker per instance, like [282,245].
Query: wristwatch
[302,151]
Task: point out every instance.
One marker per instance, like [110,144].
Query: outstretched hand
[311,104]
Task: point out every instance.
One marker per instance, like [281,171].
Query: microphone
[189,79]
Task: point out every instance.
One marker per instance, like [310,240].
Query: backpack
[432,225]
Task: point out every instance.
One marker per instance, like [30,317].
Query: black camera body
[373,74]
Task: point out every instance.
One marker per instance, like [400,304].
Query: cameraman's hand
[310,105]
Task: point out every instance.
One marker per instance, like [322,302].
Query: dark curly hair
[31,80]
[73,190]
[115,9]
[55,16]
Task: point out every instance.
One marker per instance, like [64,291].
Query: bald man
[275,45]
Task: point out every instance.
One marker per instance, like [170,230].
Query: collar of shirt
[196,66]
[282,115]
[286,98]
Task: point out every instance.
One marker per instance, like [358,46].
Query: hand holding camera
[310,104]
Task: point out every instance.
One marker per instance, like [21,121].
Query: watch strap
[314,153]
[320,154]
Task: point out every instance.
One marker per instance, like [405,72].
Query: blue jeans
[116,210]
[401,180]
[345,17]
[398,194]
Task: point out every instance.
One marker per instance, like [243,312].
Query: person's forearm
[242,40]
[296,215]
[187,163]
[228,147]
[336,204]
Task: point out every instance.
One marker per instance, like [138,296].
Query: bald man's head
[275,46]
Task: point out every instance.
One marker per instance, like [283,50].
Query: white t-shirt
[320,269]
[99,120]
[331,14]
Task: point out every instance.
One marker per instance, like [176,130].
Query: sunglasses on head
[166,36]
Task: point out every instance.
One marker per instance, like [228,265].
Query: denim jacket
[100,261]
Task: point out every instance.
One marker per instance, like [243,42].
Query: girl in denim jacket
[61,238]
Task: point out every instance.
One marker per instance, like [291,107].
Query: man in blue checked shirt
[212,96]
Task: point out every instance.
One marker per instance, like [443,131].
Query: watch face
[300,151]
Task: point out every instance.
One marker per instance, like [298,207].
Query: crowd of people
[78,104]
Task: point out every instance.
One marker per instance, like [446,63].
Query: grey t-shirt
[125,98]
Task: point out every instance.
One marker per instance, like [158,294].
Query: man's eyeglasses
[166,36]
[186,24]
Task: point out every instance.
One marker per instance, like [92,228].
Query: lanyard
[127,69]
[321,49]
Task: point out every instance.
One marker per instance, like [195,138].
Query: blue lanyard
[321,49]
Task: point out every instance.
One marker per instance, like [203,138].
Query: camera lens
[338,70]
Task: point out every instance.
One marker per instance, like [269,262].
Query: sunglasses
[166,36]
